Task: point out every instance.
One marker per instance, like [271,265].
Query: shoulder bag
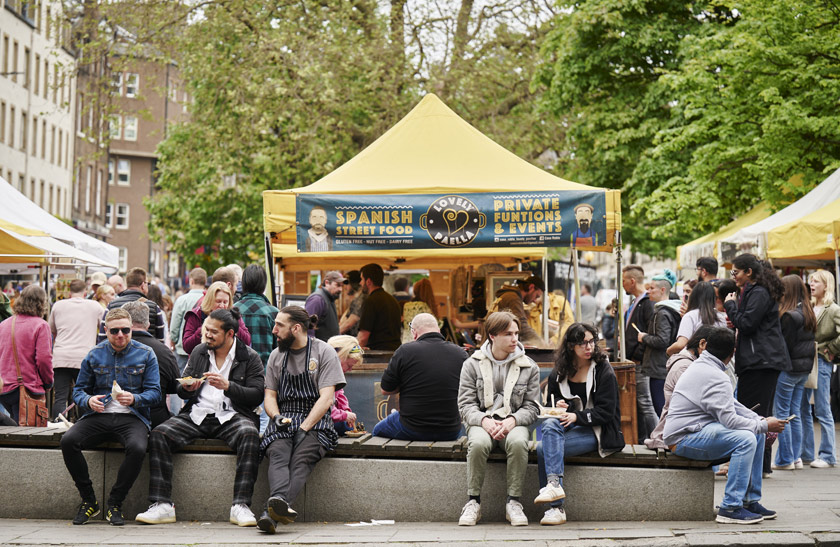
[813,378]
[32,409]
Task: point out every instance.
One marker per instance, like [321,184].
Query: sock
[476,498]
[513,498]
[554,480]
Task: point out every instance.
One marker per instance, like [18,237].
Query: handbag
[32,409]
[814,376]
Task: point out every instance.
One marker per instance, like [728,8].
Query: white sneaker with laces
[555,515]
[514,514]
[821,464]
[157,513]
[470,514]
[550,493]
[241,515]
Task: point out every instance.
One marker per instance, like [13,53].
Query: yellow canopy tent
[813,237]
[708,245]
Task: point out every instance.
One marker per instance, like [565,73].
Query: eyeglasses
[116,330]
[734,273]
[587,343]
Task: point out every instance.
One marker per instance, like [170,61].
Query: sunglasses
[116,330]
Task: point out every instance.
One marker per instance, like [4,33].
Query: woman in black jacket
[760,352]
[583,391]
[799,325]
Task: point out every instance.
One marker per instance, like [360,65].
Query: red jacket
[193,320]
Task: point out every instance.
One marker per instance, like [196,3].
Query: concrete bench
[366,477]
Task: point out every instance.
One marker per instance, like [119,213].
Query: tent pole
[269,259]
[619,311]
[578,314]
[546,299]
[837,274]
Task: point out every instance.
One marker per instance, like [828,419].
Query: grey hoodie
[519,390]
[703,395]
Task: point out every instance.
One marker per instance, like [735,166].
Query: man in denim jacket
[117,384]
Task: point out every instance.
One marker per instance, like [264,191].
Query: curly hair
[761,273]
[32,301]
[564,361]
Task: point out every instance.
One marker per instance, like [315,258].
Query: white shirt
[212,400]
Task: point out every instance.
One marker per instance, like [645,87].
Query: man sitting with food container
[301,378]
[117,384]
[223,386]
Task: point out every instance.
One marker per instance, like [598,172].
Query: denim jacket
[135,369]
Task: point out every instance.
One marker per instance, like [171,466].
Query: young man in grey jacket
[498,399]
[705,422]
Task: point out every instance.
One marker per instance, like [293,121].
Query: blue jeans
[559,441]
[392,428]
[822,410]
[746,457]
[789,390]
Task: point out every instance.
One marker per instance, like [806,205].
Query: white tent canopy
[17,209]
[753,238]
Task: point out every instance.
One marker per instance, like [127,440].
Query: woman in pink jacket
[349,354]
[33,342]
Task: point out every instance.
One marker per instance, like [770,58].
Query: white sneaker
[788,467]
[821,464]
[470,514]
[555,515]
[550,493]
[798,464]
[158,513]
[514,514]
[241,515]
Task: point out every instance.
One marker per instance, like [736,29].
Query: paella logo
[453,221]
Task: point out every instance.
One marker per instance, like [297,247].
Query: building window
[115,127]
[87,188]
[2,121]
[46,87]
[15,53]
[173,93]
[60,141]
[6,55]
[34,136]
[12,113]
[55,83]
[123,259]
[116,83]
[77,188]
[27,56]
[52,196]
[43,196]
[109,212]
[32,187]
[24,124]
[132,84]
[98,206]
[111,167]
[130,128]
[123,172]
[43,139]
[121,220]
[37,74]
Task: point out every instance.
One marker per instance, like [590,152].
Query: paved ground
[808,503]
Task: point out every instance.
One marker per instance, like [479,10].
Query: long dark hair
[564,361]
[762,273]
[795,296]
[702,298]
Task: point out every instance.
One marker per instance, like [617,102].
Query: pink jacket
[193,320]
[341,407]
[34,349]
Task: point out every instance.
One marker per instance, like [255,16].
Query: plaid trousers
[239,433]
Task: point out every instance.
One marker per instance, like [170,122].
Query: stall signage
[329,222]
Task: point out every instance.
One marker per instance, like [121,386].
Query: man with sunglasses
[118,382]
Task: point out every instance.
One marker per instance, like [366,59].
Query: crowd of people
[720,375]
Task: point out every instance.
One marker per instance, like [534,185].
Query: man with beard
[302,376]
[220,405]
[319,239]
[379,325]
[321,304]
[584,235]
[707,269]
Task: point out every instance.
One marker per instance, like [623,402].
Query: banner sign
[330,222]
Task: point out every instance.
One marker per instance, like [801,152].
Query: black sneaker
[759,509]
[87,510]
[266,523]
[114,515]
[279,510]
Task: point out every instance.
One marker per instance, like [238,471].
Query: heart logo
[453,220]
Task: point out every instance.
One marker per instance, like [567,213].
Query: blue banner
[450,221]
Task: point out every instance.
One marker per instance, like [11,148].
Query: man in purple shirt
[321,303]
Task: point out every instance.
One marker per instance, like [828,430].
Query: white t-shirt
[691,322]
[212,400]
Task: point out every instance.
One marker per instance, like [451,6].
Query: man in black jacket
[228,387]
[137,286]
[638,314]
[321,303]
[167,365]
[426,374]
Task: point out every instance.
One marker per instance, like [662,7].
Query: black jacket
[642,312]
[760,343]
[168,367]
[605,410]
[661,333]
[247,380]
[801,343]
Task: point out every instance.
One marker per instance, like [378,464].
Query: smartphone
[790,418]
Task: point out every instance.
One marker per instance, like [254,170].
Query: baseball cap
[98,278]
[333,276]
[354,277]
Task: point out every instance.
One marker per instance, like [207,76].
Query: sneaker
[514,514]
[798,464]
[266,523]
[821,464]
[759,509]
[766,475]
[788,467]
[470,514]
[87,510]
[114,515]
[550,493]
[241,515]
[555,515]
[157,513]
[279,510]
[738,516]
